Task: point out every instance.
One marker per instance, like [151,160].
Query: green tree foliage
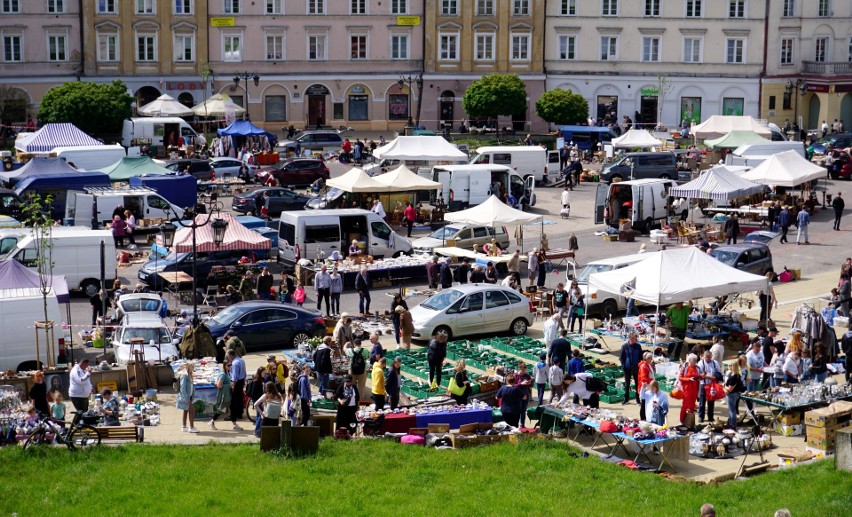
[562,107]
[94,108]
[496,94]
[36,214]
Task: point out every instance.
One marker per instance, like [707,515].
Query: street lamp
[409,80]
[245,76]
[800,86]
[219,225]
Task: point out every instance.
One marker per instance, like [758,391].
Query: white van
[75,254]
[604,303]
[752,155]
[530,160]
[19,310]
[320,233]
[90,157]
[643,202]
[144,202]
[469,185]
[153,131]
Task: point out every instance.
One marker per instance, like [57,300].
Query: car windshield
[583,277]
[442,300]
[158,335]
[728,257]
[444,232]
[140,304]
[227,315]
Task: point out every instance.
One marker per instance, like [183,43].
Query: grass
[535,477]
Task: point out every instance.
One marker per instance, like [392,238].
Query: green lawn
[382,478]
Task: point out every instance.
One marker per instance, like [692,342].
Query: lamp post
[800,87]
[245,76]
[409,80]
[168,230]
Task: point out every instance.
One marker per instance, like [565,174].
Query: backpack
[359,365]
[595,385]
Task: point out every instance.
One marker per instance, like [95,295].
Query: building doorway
[145,95]
[316,95]
[607,109]
[813,113]
[648,111]
[846,111]
[448,107]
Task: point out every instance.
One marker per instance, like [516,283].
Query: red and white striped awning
[237,236]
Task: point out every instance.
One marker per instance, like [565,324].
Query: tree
[496,94]
[36,214]
[562,107]
[95,108]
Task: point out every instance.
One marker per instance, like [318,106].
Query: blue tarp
[246,128]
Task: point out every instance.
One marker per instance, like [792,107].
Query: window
[449,47]
[502,159]
[231,6]
[106,6]
[569,8]
[399,46]
[473,302]
[787,101]
[650,49]
[183,6]
[690,110]
[485,7]
[652,7]
[397,106]
[380,230]
[316,6]
[736,8]
[735,51]
[691,50]
[146,7]
[772,102]
[399,6]
[733,106]
[494,299]
[609,7]
[274,6]
[609,48]
[520,47]
[184,47]
[146,47]
[693,8]
[11,6]
[567,47]
[787,51]
[449,7]
[789,8]
[849,52]
[484,46]
[107,47]
[316,47]
[275,47]
[12,45]
[521,7]
[57,47]
[357,6]
[820,49]
[276,108]
[358,107]
[358,46]
[232,47]
[56,6]
[824,8]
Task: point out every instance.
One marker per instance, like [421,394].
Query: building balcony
[827,69]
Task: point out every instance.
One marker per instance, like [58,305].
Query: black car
[280,199]
[201,169]
[265,325]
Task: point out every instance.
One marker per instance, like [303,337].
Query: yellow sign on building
[408,20]
[226,21]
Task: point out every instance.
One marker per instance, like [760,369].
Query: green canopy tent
[734,139]
[129,167]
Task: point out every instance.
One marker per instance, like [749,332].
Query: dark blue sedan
[265,325]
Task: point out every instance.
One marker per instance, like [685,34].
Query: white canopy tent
[636,138]
[356,180]
[719,184]
[426,148]
[787,169]
[491,212]
[403,179]
[718,126]
[165,106]
[218,105]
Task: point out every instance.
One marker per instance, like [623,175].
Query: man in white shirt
[551,327]
[718,350]
[80,385]
[378,208]
[566,198]
[756,363]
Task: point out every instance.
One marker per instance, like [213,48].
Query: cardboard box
[817,452]
[790,419]
[823,437]
[837,413]
[439,428]
[789,430]
[610,238]
[462,440]
[473,428]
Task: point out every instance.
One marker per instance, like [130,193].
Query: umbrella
[217,106]
[165,106]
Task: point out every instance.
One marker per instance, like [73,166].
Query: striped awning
[237,237]
[56,135]
[718,184]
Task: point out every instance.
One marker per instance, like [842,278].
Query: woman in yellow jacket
[379,391]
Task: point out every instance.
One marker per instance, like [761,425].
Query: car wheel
[519,327]
[609,309]
[301,338]
[444,330]
[90,287]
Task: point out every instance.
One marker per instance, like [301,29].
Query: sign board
[225,21]
[650,92]
[317,89]
[408,20]
[112,385]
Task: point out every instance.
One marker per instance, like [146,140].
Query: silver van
[462,236]
[636,166]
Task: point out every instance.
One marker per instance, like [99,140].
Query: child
[540,372]
[57,409]
[777,362]
[555,378]
[292,405]
[575,365]
[299,294]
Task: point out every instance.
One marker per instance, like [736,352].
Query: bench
[122,432]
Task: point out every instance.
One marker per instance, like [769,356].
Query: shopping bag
[677,392]
[714,391]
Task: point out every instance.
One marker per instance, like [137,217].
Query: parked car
[199,168]
[314,140]
[149,327]
[263,325]
[280,199]
[835,140]
[465,236]
[295,171]
[148,303]
[751,257]
[150,271]
[472,309]
[228,167]
[842,166]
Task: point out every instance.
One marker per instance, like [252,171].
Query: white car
[156,343]
[149,303]
[473,309]
[464,237]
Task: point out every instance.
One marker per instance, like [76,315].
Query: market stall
[164,106]
[734,139]
[383,272]
[422,148]
[132,166]
[219,105]
[51,136]
[204,381]
[794,399]
[636,139]
[787,169]
[718,126]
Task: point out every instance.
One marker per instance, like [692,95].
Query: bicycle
[77,435]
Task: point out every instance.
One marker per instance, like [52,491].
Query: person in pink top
[410,215]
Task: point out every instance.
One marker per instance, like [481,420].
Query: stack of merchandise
[822,424]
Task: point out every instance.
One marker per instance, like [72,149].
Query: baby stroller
[565,212]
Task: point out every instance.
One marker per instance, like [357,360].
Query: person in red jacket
[689,381]
[410,215]
[347,150]
[646,375]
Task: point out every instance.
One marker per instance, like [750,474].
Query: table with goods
[381,272]
[794,400]
[204,376]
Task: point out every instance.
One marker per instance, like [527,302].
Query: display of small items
[729,443]
[632,427]
[802,394]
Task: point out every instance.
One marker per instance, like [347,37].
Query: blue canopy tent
[37,167]
[244,128]
[55,135]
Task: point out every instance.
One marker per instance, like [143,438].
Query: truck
[82,205]
[19,310]
[157,132]
[468,185]
[90,157]
[527,161]
[643,202]
[180,191]
[58,185]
